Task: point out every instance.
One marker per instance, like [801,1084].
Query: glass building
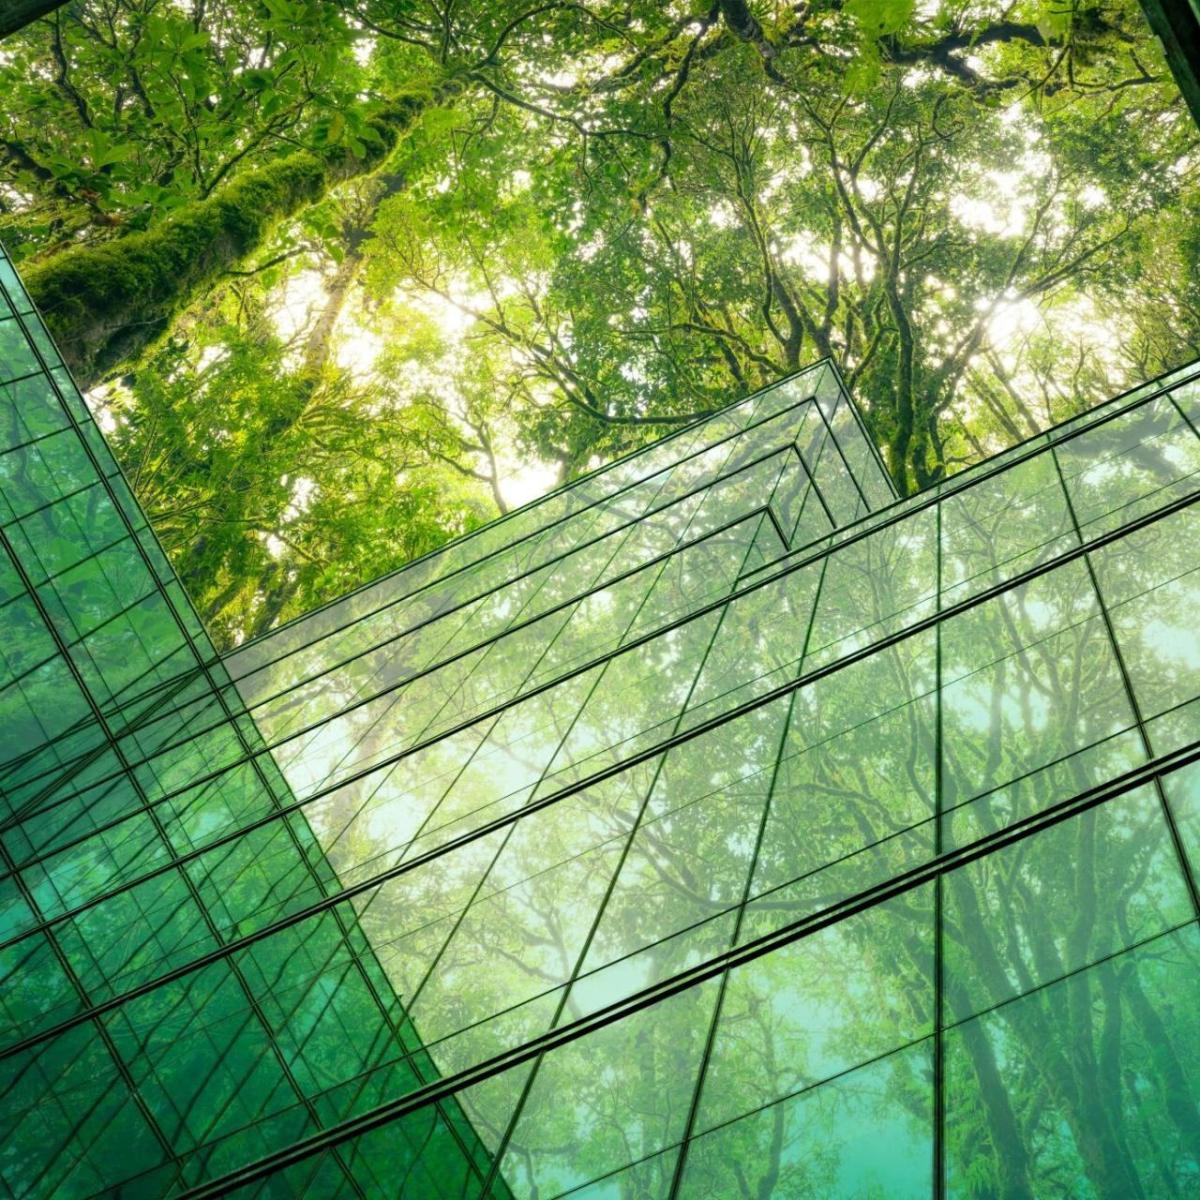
[719,825]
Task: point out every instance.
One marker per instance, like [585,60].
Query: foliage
[256,484]
[601,220]
[119,111]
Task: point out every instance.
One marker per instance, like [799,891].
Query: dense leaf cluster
[538,234]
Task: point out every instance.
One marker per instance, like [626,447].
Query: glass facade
[719,825]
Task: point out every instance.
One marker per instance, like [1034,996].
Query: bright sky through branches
[592,225]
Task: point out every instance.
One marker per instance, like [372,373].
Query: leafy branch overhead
[496,243]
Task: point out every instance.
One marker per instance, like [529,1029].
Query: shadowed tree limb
[16,14]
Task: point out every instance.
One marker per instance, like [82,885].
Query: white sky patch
[915,76]
[588,250]
[208,356]
[1073,326]
[357,350]
[302,491]
[1004,216]
[450,317]
[1013,318]
[721,215]
[522,482]
[773,184]
[813,259]
[302,296]
[99,402]
[1078,322]
[801,251]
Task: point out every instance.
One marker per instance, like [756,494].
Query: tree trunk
[1010,1158]
[356,232]
[1168,1070]
[106,304]
[14,14]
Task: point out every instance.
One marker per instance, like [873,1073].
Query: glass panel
[1029,678]
[868,1133]
[1050,904]
[815,1008]
[854,798]
[68,1121]
[1001,526]
[1086,1088]
[1130,466]
[610,1098]
[1182,789]
[1150,581]
[874,587]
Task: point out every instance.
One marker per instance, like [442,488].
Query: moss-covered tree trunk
[16,13]
[105,304]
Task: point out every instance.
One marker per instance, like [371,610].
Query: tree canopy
[346,279]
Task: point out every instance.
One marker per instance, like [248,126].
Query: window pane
[821,1005]
[1029,678]
[868,1133]
[1086,1088]
[1150,581]
[1068,896]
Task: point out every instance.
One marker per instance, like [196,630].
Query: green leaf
[863,73]
[255,81]
[881,17]
[1054,20]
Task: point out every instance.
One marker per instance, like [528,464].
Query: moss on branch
[106,304]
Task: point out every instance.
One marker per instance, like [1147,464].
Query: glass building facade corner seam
[718,825]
